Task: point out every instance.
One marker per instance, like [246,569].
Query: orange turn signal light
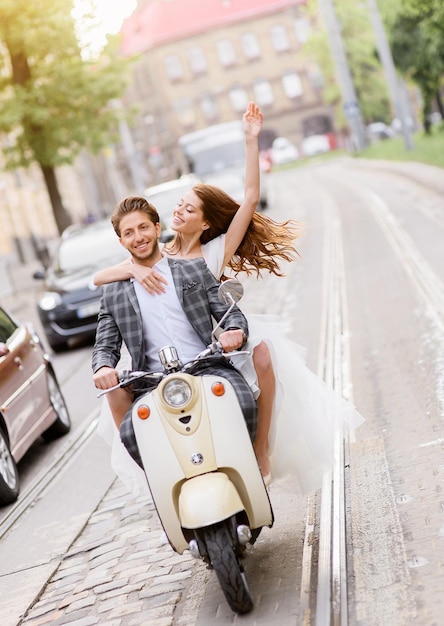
[143,411]
[218,389]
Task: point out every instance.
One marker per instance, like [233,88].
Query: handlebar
[127,377]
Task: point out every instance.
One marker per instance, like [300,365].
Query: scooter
[200,465]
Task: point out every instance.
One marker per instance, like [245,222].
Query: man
[182,315]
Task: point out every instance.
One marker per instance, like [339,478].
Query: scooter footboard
[208,499]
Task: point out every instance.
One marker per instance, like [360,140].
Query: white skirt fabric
[306,414]
[132,476]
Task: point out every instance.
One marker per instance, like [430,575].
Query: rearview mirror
[230,291]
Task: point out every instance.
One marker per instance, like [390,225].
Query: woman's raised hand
[151,280]
[252,120]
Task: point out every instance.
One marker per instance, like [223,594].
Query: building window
[263,93]
[238,98]
[197,60]
[302,29]
[279,39]
[173,67]
[209,108]
[250,46]
[185,112]
[292,84]
[226,53]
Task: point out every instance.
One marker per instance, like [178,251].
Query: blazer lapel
[131,293]
[185,276]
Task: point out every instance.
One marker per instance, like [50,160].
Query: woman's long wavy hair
[265,244]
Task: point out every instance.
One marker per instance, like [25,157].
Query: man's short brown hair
[129,205]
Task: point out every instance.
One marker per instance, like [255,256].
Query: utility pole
[343,75]
[385,55]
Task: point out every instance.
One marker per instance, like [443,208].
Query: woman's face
[188,216]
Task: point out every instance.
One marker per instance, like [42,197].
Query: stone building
[196,63]
[199,63]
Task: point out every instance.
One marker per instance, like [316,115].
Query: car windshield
[89,248]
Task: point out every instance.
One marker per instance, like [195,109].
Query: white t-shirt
[213,252]
[164,319]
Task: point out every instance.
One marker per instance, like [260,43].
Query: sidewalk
[120,572]
[117,572]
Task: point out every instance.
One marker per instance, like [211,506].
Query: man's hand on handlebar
[105,378]
[231,339]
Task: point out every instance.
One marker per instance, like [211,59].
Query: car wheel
[62,424]
[9,479]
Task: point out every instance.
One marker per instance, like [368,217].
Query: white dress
[306,411]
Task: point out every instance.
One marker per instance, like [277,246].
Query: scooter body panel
[207,436]
[208,499]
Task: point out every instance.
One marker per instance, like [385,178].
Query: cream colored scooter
[200,465]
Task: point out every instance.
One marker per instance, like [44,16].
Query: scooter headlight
[177,393]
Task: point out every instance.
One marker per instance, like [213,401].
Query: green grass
[426,148]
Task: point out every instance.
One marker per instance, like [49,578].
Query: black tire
[62,424]
[229,571]
[9,478]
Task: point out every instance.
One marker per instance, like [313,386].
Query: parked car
[379,130]
[283,151]
[164,198]
[31,402]
[315,144]
[70,303]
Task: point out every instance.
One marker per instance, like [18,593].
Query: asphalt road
[387,223]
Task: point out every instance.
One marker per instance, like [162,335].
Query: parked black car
[69,306]
[31,402]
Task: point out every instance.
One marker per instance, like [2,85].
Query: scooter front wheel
[229,571]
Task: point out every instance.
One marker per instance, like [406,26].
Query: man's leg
[126,428]
[129,438]
[242,389]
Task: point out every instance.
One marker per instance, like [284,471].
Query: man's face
[139,236]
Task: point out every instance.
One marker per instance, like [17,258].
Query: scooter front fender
[208,499]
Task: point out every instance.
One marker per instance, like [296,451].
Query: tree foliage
[417,41]
[359,44]
[415,29]
[53,101]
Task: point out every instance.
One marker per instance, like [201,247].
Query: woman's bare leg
[119,402]
[267,384]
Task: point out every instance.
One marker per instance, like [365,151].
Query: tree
[417,41]
[53,101]
[359,43]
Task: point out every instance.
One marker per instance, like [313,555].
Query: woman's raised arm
[252,124]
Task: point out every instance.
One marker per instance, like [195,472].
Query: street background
[85,551]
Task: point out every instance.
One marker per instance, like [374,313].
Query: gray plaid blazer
[120,318]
